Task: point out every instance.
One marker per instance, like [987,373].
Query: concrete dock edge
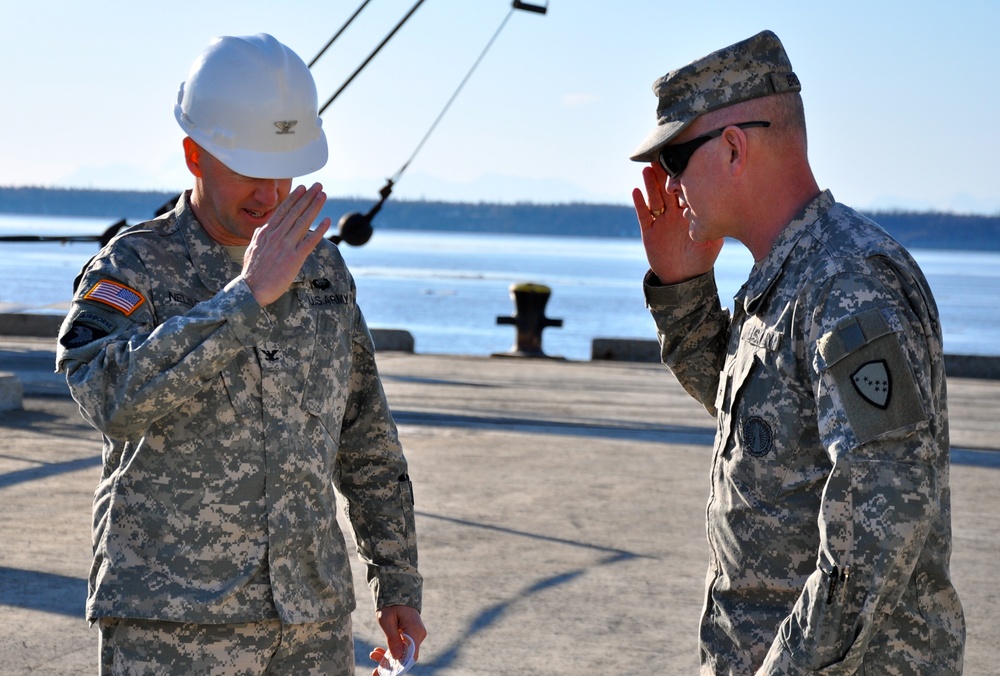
[47,326]
[602,349]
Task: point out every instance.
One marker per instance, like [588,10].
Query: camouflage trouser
[131,647]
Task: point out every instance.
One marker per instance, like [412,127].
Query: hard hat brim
[263,164]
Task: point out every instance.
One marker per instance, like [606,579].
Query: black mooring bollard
[529,318]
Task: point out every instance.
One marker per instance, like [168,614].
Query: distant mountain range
[924,230]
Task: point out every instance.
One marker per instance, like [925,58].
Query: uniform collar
[212,263]
[768,271]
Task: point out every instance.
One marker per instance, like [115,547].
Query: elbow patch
[869,370]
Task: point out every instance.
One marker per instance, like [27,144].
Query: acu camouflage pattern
[829,518]
[138,647]
[750,69]
[226,428]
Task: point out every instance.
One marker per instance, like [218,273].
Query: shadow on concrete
[423,380]
[663,434]
[534,536]
[444,660]
[975,458]
[50,416]
[362,649]
[44,592]
[674,434]
[490,615]
[47,470]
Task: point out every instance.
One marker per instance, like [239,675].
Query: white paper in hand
[389,666]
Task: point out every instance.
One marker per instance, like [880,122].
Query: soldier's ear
[736,141]
[192,155]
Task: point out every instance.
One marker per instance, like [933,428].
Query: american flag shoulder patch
[116,295]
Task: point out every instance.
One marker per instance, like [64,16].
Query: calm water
[447,289]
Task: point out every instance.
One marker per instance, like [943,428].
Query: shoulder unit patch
[874,383]
[80,334]
[869,372]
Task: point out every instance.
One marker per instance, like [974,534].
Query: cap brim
[659,137]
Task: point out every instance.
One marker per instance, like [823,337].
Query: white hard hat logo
[285,126]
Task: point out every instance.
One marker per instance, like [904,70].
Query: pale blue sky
[902,98]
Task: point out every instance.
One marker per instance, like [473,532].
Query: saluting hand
[280,247]
[673,256]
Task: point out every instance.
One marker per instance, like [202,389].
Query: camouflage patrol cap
[748,70]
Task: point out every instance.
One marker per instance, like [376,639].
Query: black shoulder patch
[81,333]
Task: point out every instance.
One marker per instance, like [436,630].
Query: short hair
[785,112]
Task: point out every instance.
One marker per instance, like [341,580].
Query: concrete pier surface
[560,515]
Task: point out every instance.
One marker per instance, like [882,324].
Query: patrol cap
[747,70]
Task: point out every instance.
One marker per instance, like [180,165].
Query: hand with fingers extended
[673,256]
[280,247]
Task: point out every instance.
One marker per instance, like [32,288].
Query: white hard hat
[251,102]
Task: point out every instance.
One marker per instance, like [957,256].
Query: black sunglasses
[675,158]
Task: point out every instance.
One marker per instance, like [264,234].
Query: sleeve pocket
[866,365]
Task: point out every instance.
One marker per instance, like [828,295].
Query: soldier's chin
[695,233]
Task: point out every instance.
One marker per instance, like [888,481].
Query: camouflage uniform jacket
[829,517]
[226,428]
